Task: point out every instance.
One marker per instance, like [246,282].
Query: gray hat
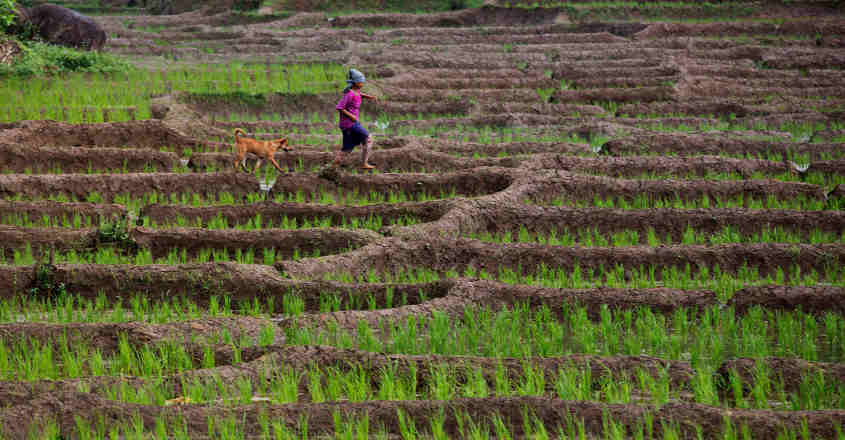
[355,77]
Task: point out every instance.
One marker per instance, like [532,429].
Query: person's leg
[366,141]
[347,144]
[365,153]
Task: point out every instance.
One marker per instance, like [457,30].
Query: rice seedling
[593,237]
[721,281]
[646,201]
[707,337]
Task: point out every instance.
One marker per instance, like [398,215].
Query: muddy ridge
[80,186]
[285,243]
[664,222]
[695,144]
[441,255]
[20,159]
[573,187]
[138,134]
[687,416]
[392,160]
[479,181]
[272,213]
[34,211]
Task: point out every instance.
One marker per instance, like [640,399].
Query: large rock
[60,25]
[9,50]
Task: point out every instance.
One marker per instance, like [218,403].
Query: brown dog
[262,149]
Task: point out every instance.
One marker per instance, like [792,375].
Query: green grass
[33,360]
[42,58]
[645,201]
[67,97]
[721,281]
[111,255]
[362,427]
[372,222]
[592,237]
[814,178]
[705,337]
[66,307]
[355,384]
[341,198]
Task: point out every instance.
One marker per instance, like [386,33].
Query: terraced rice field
[589,221]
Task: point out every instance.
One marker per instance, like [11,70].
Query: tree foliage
[8,14]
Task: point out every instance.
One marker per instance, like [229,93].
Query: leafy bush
[8,15]
[44,284]
[39,58]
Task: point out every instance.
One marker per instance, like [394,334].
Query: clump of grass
[42,58]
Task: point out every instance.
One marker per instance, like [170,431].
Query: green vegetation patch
[107,82]
[42,58]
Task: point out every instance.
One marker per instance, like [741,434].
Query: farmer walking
[353,133]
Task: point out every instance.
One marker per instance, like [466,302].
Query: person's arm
[341,107]
[373,97]
[347,114]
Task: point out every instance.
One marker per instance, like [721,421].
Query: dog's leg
[257,164]
[239,161]
[275,164]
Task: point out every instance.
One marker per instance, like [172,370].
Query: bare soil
[622,95]
[34,211]
[665,222]
[576,187]
[106,336]
[65,406]
[442,255]
[484,16]
[108,186]
[636,166]
[19,159]
[285,243]
[273,213]
[789,371]
[817,300]
[139,134]
[393,160]
[479,181]
[701,143]
[41,240]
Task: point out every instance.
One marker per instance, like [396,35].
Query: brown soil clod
[284,243]
[664,222]
[81,186]
[35,211]
[442,255]
[18,158]
[139,134]
[275,214]
[67,406]
[817,300]
[693,144]
[479,181]
[792,372]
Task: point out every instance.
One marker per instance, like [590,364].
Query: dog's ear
[283,141]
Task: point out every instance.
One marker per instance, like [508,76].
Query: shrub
[38,58]
[8,15]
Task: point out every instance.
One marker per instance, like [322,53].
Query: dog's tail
[239,131]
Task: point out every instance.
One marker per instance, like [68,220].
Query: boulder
[63,26]
[9,50]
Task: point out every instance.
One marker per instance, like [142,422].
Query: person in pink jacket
[354,133]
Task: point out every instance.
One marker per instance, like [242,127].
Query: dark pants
[354,136]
